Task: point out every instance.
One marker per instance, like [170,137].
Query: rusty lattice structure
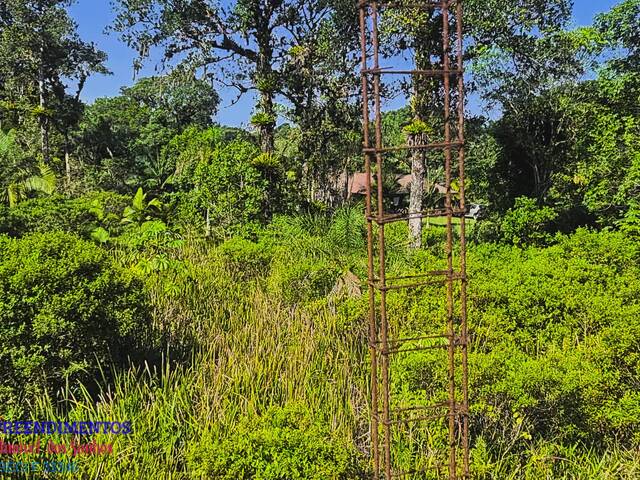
[453,338]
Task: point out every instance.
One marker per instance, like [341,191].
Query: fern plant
[21,177]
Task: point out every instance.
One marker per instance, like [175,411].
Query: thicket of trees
[567,142]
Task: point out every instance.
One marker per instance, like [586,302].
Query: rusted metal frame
[449,243]
[463,247]
[427,274]
[422,407]
[425,418]
[430,5]
[427,146]
[425,283]
[373,330]
[415,339]
[444,274]
[393,351]
[384,327]
[425,73]
[381,219]
[424,214]
[457,340]
[412,472]
[459,410]
[400,341]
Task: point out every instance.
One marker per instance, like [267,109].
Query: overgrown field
[258,366]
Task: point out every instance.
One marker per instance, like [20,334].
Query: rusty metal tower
[453,411]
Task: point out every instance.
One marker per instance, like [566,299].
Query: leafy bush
[65,312]
[348,230]
[556,338]
[283,444]
[246,257]
[80,215]
[527,223]
[310,253]
[141,209]
[302,280]
[230,188]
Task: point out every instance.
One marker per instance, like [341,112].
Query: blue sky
[93,16]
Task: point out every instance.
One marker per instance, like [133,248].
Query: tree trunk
[416,189]
[43,120]
[424,101]
[67,161]
[266,129]
[264,79]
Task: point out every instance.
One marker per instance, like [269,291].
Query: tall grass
[250,351]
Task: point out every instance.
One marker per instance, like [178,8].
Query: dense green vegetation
[67,310]
[207,282]
[555,359]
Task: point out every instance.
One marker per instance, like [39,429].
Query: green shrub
[80,215]
[527,223]
[348,230]
[230,189]
[556,336]
[65,312]
[486,230]
[302,280]
[246,257]
[283,444]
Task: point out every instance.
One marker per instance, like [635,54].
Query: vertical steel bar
[381,245]
[373,334]
[463,245]
[449,248]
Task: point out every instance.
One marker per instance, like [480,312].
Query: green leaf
[100,235]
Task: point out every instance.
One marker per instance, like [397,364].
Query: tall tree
[320,83]
[40,50]
[247,42]
[515,47]
[620,28]
[252,45]
[122,138]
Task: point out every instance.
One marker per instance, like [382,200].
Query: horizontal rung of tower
[415,408]
[417,276]
[458,410]
[434,281]
[421,73]
[426,146]
[458,341]
[411,472]
[426,5]
[432,213]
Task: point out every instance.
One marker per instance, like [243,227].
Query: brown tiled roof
[357,184]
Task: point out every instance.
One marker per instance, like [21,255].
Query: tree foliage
[122,138]
[41,58]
